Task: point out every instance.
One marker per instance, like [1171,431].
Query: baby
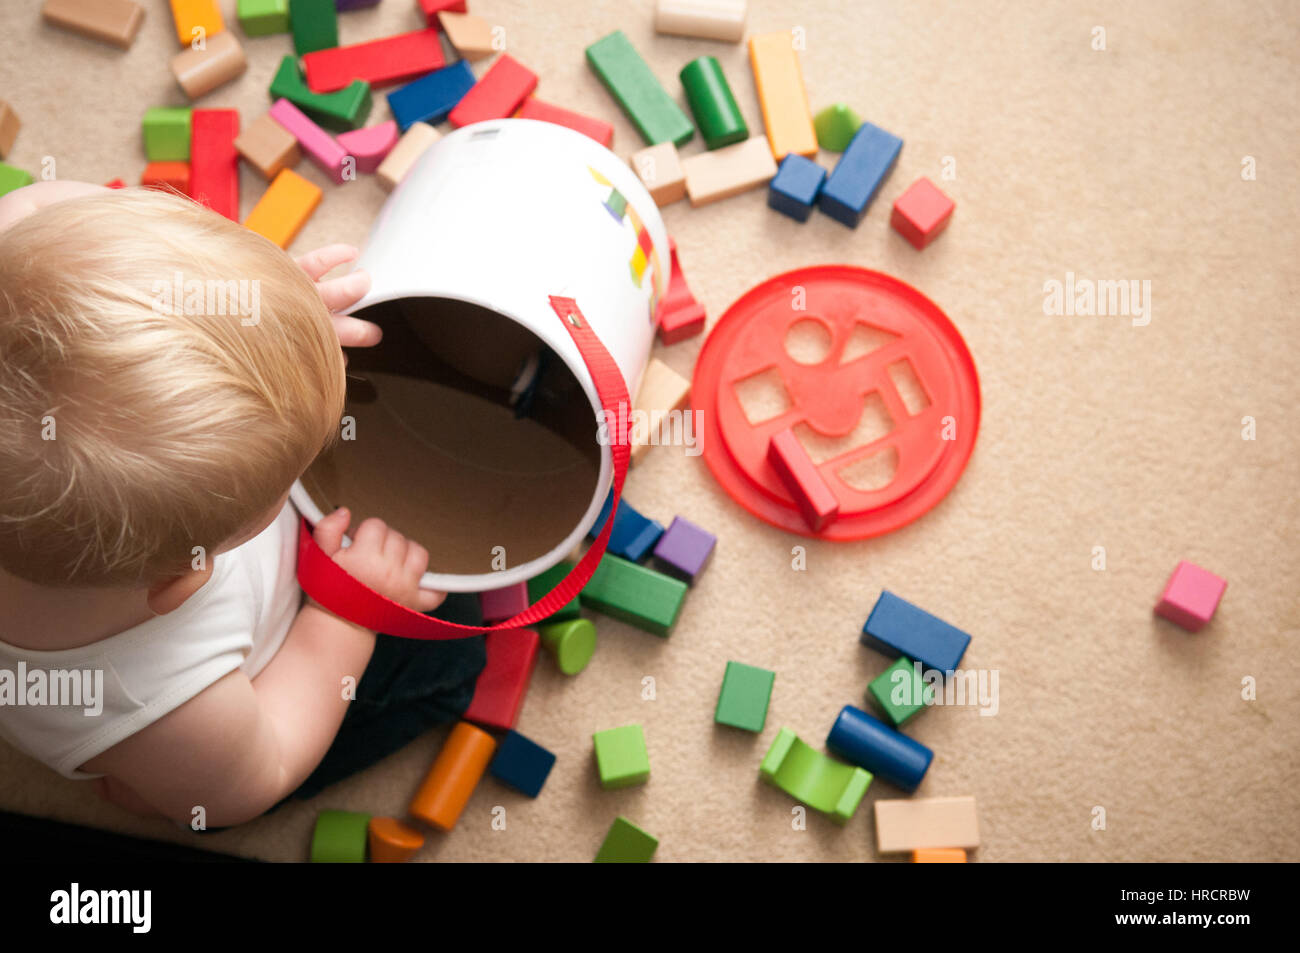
[147,448]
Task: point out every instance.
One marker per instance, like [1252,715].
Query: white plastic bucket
[493,220]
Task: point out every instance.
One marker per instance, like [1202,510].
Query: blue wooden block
[521,763]
[896,627]
[871,744]
[633,535]
[870,155]
[430,98]
[795,186]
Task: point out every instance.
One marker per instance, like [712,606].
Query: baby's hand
[339,294]
[381,557]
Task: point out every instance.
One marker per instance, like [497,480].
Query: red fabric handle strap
[330,584]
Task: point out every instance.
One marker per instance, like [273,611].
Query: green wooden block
[900,691]
[836,125]
[263,17]
[712,103]
[572,642]
[539,586]
[634,594]
[166,134]
[630,81]
[816,779]
[339,111]
[742,702]
[340,838]
[626,844]
[621,757]
[11,178]
[315,25]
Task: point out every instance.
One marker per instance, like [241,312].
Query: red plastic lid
[893,362]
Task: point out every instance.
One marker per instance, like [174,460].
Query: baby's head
[165,376]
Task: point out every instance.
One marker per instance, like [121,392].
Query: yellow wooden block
[939,855]
[201,15]
[920,822]
[722,173]
[781,95]
[284,208]
[662,390]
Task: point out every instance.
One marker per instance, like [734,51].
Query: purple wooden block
[498,604]
[342,5]
[684,549]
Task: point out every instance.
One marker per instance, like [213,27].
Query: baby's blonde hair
[137,423]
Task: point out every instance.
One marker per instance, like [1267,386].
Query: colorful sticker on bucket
[644,255]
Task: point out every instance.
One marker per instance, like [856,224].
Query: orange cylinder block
[454,775]
[391,841]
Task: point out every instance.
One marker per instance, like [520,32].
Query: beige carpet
[1117,164]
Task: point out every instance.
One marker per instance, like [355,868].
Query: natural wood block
[728,171]
[916,823]
[705,19]
[268,147]
[111,21]
[470,35]
[9,126]
[662,390]
[199,72]
[409,148]
[660,170]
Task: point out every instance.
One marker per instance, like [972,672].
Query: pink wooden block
[370,145]
[498,604]
[319,145]
[1191,596]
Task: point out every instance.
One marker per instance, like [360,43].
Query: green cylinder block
[711,101]
[340,838]
[572,641]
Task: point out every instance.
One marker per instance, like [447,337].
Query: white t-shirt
[238,620]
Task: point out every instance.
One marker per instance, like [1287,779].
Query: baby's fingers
[353,332]
[426,600]
[317,263]
[339,294]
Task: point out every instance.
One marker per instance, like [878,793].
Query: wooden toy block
[712,103]
[498,604]
[680,315]
[410,147]
[660,170]
[431,98]
[115,184]
[11,178]
[633,535]
[703,19]
[318,144]
[167,176]
[621,757]
[284,208]
[813,778]
[391,841]
[921,213]
[634,594]
[9,126]
[597,129]
[346,109]
[541,584]
[393,59]
[315,25]
[346,5]
[871,744]
[469,35]
[939,855]
[263,17]
[781,95]
[803,480]
[572,642]
[503,683]
[684,550]
[200,71]
[521,763]
[196,19]
[268,147]
[339,838]
[744,696]
[896,627]
[900,691]
[431,9]
[455,773]
[498,94]
[626,844]
[1191,596]
[166,134]
[836,125]
[371,145]
[214,163]
[865,164]
[795,188]
[722,173]
[637,91]
[662,391]
[921,822]
[110,21]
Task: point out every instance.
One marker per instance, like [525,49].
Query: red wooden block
[1191,596]
[680,315]
[497,94]
[498,604]
[499,692]
[921,212]
[214,161]
[394,59]
[597,129]
[796,470]
[115,184]
[432,8]
[166,176]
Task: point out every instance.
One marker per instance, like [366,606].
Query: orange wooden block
[938,855]
[110,21]
[268,147]
[454,775]
[9,126]
[284,208]
[781,94]
[165,176]
[391,841]
[203,16]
